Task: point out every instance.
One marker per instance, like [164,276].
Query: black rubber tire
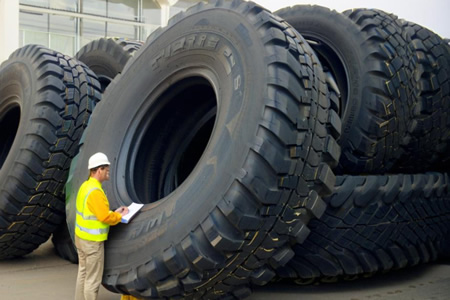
[46,99]
[375,224]
[369,59]
[430,128]
[107,58]
[226,137]
[64,246]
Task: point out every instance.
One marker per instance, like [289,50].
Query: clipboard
[133,208]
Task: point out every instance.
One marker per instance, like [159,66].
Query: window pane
[34,21]
[97,7]
[34,27]
[35,37]
[62,43]
[125,9]
[122,31]
[21,37]
[151,13]
[62,34]
[91,30]
[40,3]
[62,24]
[70,5]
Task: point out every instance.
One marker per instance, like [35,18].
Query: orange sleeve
[98,204]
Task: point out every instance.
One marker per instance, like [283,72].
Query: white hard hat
[98,159]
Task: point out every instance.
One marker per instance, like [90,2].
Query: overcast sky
[433,14]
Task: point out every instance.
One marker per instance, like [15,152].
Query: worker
[91,227]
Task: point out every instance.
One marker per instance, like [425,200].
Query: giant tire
[222,127]
[64,245]
[369,59]
[375,224]
[430,129]
[45,102]
[106,58]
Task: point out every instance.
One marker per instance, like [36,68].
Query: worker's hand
[123,210]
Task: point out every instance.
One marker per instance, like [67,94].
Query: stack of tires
[390,206]
[305,144]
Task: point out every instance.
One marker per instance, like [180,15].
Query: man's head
[99,167]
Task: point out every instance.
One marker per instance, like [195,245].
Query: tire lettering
[237,82]
[193,41]
[166,212]
[177,46]
[211,42]
[229,58]
[202,40]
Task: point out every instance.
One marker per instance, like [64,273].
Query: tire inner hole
[9,124]
[173,138]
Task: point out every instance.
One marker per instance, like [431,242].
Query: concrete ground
[43,275]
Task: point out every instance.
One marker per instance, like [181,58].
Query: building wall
[9,27]
[67,25]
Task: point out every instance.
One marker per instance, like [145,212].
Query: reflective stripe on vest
[93,231]
[87,226]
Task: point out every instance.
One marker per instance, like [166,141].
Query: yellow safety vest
[87,226]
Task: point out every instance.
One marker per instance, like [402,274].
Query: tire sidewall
[325,26]
[238,83]
[18,88]
[104,57]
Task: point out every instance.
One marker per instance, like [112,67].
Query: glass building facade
[67,25]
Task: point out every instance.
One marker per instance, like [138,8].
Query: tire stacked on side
[106,57]
[368,58]
[46,99]
[429,142]
[230,152]
[376,223]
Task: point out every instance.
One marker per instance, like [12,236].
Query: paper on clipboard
[133,208]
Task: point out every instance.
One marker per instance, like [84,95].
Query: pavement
[43,275]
